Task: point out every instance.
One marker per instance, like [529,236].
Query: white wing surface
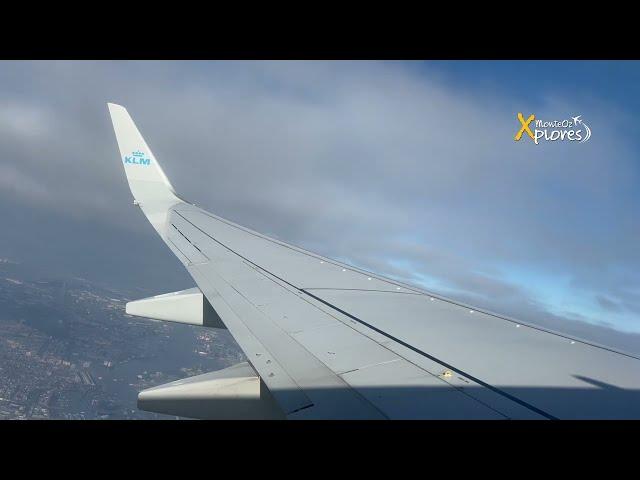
[325,340]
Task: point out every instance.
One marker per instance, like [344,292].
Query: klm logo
[137,158]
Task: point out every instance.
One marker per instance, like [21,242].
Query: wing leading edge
[327,340]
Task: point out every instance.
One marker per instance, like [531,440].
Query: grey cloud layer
[380,164]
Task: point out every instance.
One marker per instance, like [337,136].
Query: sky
[408,169]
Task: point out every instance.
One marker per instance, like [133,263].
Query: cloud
[382,164]
[24,121]
[15,182]
[608,304]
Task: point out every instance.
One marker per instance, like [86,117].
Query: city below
[68,350]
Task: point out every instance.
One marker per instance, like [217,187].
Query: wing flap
[235,312]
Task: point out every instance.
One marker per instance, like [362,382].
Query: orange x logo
[525,126]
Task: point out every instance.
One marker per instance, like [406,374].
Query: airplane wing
[325,340]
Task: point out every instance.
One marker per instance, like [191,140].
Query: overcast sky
[407,169]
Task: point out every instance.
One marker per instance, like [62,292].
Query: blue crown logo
[138,154]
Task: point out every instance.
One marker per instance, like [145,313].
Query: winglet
[149,185]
